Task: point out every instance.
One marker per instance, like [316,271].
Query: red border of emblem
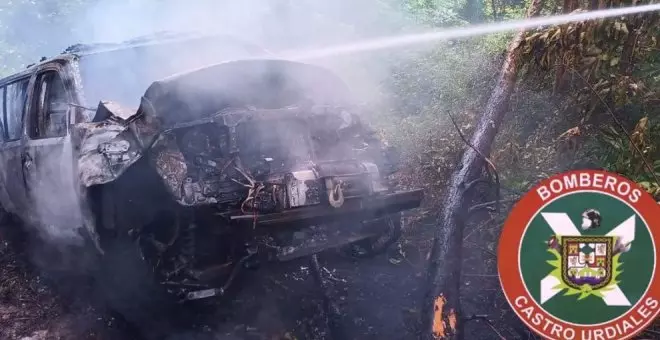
[509,248]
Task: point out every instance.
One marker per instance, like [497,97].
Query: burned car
[179,186]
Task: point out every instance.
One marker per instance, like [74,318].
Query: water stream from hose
[461,32]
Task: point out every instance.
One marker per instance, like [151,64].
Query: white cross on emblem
[562,225]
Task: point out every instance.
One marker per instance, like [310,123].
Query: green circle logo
[578,257]
[581,240]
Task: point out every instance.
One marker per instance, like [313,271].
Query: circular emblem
[578,257]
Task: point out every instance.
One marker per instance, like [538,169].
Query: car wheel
[378,244]
[130,289]
[126,281]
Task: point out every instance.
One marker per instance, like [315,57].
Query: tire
[125,280]
[130,289]
[379,244]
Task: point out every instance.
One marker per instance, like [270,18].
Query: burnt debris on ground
[34,306]
[377,298]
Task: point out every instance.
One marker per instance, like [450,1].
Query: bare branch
[489,204]
[488,322]
[485,159]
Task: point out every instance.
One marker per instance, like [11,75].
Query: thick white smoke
[272,24]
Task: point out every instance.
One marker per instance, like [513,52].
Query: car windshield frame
[122,75]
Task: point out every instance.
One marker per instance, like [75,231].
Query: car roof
[158,39]
[161,38]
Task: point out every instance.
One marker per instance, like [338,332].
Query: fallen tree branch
[330,309]
[650,331]
[441,310]
[499,225]
[479,247]
[469,186]
[490,204]
[479,227]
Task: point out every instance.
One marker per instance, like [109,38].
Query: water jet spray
[461,32]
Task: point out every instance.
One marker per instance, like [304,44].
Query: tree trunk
[560,73]
[474,11]
[570,6]
[627,61]
[494,6]
[441,317]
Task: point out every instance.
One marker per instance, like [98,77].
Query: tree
[474,11]
[441,311]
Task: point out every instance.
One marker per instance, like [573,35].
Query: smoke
[276,22]
[259,27]
[274,25]
[124,75]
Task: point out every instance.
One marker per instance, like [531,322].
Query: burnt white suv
[179,177]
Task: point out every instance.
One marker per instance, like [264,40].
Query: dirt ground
[34,306]
[378,297]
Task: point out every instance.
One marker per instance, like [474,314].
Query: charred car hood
[116,138]
[239,84]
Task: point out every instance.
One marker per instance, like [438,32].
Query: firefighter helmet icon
[591,219]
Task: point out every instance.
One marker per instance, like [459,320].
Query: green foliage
[606,68]
[437,12]
[600,63]
[619,155]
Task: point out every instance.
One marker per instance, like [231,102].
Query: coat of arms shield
[587,260]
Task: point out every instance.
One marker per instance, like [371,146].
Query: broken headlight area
[106,151]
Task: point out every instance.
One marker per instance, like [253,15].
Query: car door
[12,111]
[48,160]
